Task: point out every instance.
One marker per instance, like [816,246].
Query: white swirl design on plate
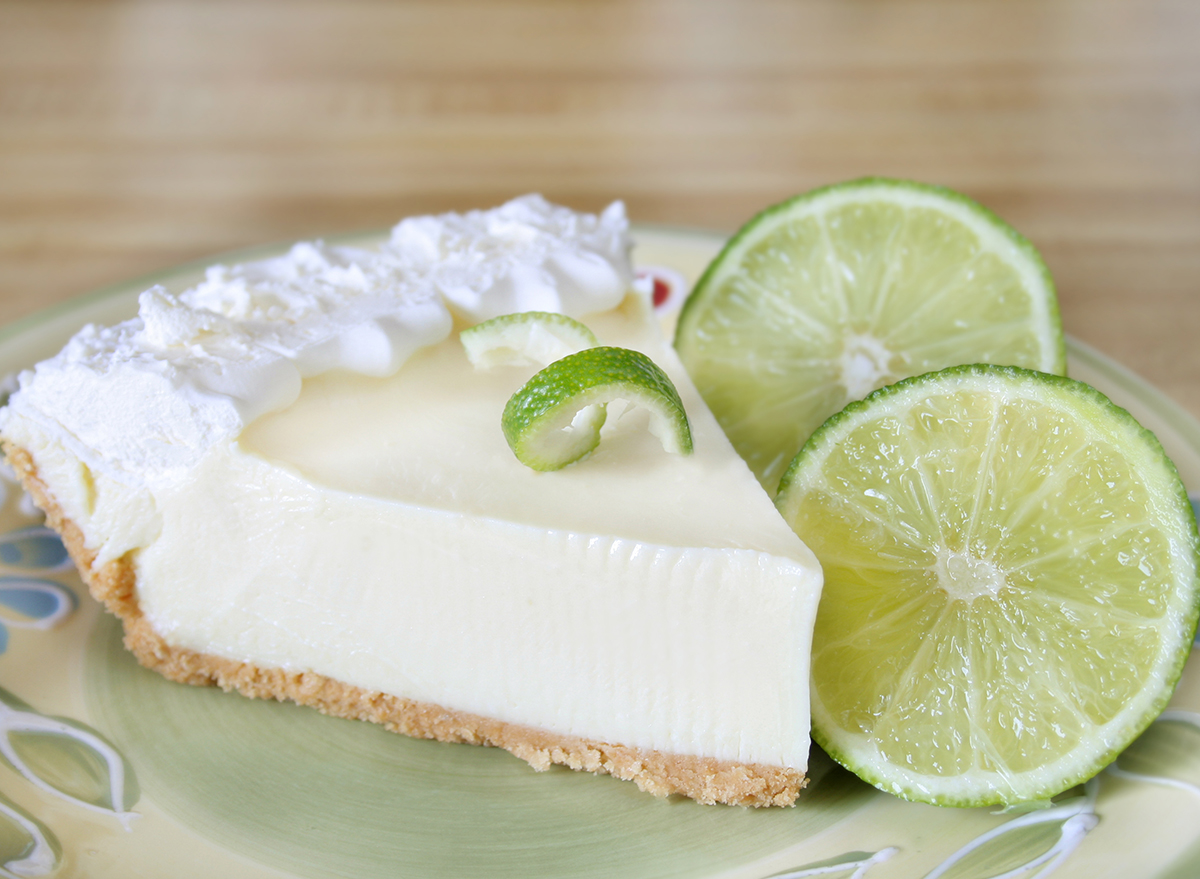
[42,853]
[1077,816]
[859,865]
[1191,718]
[14,720]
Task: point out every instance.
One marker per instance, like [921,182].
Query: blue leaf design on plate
[37,548]
[28,603]
[38,604]
[32,850]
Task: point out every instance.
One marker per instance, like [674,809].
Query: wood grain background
[134,135]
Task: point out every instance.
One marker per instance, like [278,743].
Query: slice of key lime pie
[289,480]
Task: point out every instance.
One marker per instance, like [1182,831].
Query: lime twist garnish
[556,417]
[538,337]
[822,299]
[1011,584]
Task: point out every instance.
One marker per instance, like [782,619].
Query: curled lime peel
[555,419]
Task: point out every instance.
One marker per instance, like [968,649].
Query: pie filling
[377,530]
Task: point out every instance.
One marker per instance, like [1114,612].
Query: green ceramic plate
[111,771]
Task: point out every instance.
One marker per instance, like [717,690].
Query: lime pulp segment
[822,299]
[555,418]
[1011,584]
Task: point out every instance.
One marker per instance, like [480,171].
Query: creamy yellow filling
[380,532]
[430,435]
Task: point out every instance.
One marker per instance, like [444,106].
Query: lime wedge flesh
[824,298]
[555,418]
[1011,584]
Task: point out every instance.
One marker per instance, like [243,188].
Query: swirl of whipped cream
[145,399]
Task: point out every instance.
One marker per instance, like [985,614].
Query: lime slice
[826,297]
[537,337]
[1011,583]
[556,417]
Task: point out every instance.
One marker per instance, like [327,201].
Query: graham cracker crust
[115,586]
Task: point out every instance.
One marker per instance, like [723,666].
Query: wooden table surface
[134,135]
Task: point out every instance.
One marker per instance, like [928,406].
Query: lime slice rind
[1165,506]
[879,280]
[527,337]
[555,418]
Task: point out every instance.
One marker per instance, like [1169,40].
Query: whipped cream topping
[194,369]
